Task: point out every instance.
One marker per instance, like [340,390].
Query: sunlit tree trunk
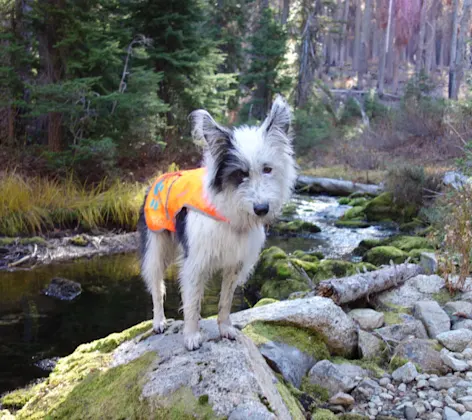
[452,59]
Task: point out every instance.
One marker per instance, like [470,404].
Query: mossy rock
[282,289]
[323,414]
[360,201]
[309,342]
[355,213]
[294,407]
[289,209]
[367,244]
[352,224]
[17,399]
[314,256]
[415,254]
[310,268]
[382,208]
[374,366]
[408,243]
[353,416]
[296,226]
[316,391]
[338,268]
[79,240]
[344,201]
[412,226]
[265,301]
[382,255]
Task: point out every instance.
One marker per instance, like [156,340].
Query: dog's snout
[261,209]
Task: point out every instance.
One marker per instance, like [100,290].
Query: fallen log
[314,185]
[361,285]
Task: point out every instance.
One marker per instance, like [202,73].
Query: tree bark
[421,37]
[343,45]
[358,286]
[460,51]
[364,50]
[357,36]
[285,11]
[452,55]
[386,46]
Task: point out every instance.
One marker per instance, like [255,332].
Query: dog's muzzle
[261,209]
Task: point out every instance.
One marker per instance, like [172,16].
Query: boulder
[295,227]
[421,287]
[465,324]
[406,373]
[317,314]
[292,363]
[342,398]
[433,317]
[400,332]
[443,382]
[63,289]
[383,255]
[422,353]
[429,262]
[455,340]
[458,306]
[368,319]
[332,377]
[449,359]
[370,346]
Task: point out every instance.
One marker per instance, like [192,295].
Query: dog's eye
[239,176]
[267,170]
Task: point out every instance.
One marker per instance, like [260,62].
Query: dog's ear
[277,125]
[205,128]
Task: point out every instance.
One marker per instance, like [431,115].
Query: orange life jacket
[173,191]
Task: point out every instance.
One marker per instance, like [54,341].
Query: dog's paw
[193,341]
[228,331]
[159,325]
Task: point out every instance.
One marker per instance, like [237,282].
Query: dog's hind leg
[154,263]
[231,279]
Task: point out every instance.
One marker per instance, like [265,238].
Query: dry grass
[35,205]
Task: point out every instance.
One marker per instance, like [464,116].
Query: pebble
[422,395]
[448,400]
[423,383]
[342,399]
[459,408]
[410,412]
[450,414]
[402,387]
[386,396]
[427,406]
[385,381]
[436,403]
[420,408]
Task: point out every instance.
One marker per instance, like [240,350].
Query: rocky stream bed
[403,352]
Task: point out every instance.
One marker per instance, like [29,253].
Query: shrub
[410,185]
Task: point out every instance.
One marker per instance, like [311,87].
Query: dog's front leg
[231,279]
[192,283]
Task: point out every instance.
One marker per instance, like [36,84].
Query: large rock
[461,306]
[368,319]
[228,373]
[465,324]
[433,317]
[316,314]
[335,378]
[369,345]
[406,373]
[455,340]
[423,354]
[429,262]
[292,363]
[399,332]
[418,288]
[453,362]
[443,382]
[63,289]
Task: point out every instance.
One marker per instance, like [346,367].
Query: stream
[35,328]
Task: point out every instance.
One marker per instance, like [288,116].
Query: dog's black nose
[261,209]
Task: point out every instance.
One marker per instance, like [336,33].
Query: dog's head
[251,170]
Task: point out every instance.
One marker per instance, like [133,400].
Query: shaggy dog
[249,175]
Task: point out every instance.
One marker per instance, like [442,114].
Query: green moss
[34,240]
[382,208]
[4,241]
[358,202]
[296,226]
[353,224]
[18,398]
[323,414]
[203,399]
[392,318]
[289,209]
[411,226]
[282,289]
[308,256]
[382,255]
[371,365]
[79,240]
[314,390]
[112,341]
[291,403]
[310,268]
[442,297]
[354,213]
[339,268]
[344,201]
[408,243]
[397,362]
[265,301]
[309,342]
[415,254]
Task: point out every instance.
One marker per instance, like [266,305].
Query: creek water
[35,328]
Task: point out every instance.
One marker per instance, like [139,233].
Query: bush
[411,186]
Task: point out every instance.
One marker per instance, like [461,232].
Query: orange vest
[173,191]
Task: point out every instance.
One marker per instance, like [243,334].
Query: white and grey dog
[250,175]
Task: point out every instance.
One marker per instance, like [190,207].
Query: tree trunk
[343,44]
[421,37]
[382,61]
[431,43]
[385,48]
[285,11]
[358,286]
[314,185]
[452,59]
[364,50]
[391,52]
[54,131]
[460,51]
[357,36]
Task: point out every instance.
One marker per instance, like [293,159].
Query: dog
[248,174]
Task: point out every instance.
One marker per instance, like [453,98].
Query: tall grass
[34,205]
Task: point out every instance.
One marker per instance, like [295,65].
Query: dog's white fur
[236,182]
